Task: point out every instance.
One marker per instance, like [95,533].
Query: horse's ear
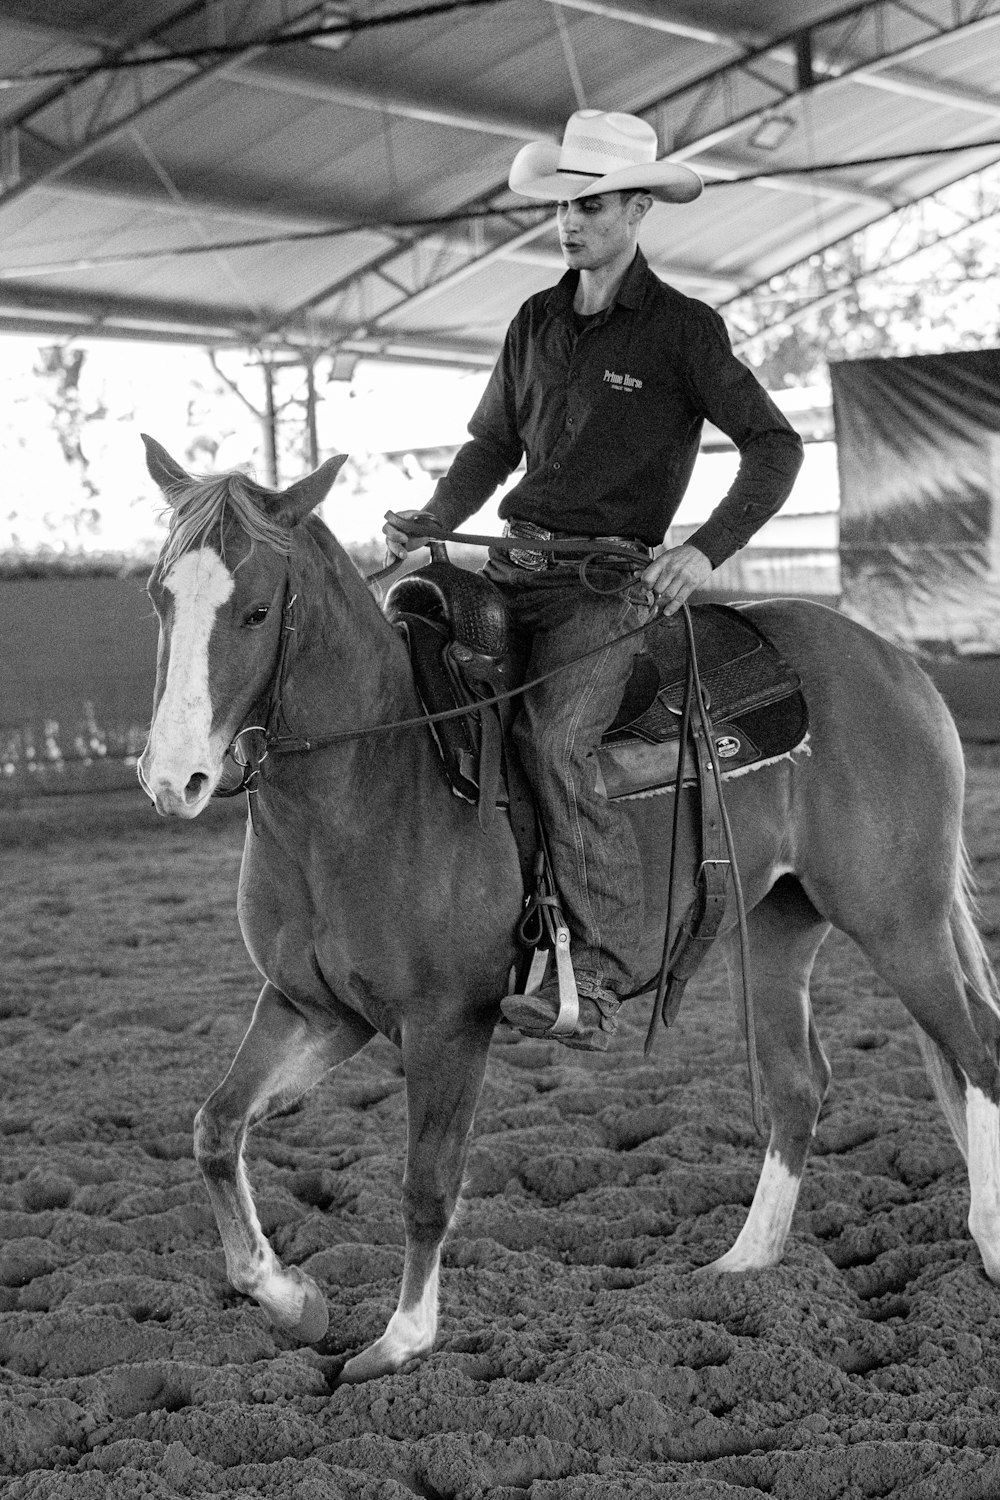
[165,471]
[295,503]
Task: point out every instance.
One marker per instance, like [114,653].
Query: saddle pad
[636,768]
[758,712]
[738,666]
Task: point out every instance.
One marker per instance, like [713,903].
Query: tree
[921,281]
[59,368]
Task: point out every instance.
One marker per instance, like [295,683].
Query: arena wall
[79,660]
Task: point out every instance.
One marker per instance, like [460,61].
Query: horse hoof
[378,1359]
[733,1265]
[314,1318]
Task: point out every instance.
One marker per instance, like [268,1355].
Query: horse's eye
[256,616]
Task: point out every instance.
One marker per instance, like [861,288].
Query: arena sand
[578,1356]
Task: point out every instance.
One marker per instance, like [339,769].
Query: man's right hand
[400,542]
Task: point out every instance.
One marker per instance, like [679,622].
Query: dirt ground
[578,1356]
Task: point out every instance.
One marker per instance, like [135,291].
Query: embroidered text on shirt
[622,382]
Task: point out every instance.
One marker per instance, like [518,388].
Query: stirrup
[543,919]
[566,1021]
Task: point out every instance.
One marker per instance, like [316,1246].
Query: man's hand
[399,542]
[675,574]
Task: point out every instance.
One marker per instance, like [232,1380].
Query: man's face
[594,231]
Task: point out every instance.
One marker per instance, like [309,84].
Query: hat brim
[534,173]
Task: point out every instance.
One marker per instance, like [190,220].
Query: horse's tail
[982,990]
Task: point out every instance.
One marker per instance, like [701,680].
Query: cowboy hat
[600,153]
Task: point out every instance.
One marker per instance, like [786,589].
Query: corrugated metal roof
[196,152]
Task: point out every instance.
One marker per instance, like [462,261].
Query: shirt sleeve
[495,448]
[730,396]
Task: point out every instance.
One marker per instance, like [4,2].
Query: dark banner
[918,452]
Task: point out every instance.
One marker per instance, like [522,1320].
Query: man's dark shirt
[609,412]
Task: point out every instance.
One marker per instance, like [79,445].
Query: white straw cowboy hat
[600,153]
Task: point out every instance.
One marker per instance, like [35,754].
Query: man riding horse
[603,386]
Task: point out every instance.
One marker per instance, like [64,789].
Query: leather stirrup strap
[717,864]
[490,756]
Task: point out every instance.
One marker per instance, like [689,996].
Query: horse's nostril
[195,785]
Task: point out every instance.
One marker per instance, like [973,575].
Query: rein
[586,548]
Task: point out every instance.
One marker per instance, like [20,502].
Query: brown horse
[371,900]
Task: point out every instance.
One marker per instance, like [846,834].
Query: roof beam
[304,72]
[635,14]
[94,109]
[811,184]
[117,176]
[773,256]
[924,240]
[310,77]
[724,102]
[913,85]
[835,68]
[27,309]
[872,74]
[718,111]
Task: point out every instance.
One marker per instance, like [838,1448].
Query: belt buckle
[526,557]
[535,562]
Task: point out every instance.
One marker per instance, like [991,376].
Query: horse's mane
[199,509]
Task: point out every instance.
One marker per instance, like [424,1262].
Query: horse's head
[218,588]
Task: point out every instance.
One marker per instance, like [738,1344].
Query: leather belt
[536,561]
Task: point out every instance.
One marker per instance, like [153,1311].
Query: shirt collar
[630,294]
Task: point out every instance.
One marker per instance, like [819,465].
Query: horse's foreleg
[444,1076]
[785,935]
[282,1055]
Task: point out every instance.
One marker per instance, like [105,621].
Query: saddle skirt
[456,626]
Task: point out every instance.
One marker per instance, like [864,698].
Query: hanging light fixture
[332,15]
[772,132]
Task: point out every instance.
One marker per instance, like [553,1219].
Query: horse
[372,900]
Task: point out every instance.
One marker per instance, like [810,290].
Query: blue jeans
[595,856]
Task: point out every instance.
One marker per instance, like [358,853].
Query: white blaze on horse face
[183,758]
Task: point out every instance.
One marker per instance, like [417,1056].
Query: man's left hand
[675,574]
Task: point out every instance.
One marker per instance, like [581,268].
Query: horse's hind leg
[785,934]
[282,1055]
[444,1076]
[940,972]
